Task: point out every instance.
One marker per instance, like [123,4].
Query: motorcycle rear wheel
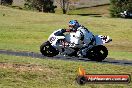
[97,53]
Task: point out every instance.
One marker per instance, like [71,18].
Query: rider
[82,34]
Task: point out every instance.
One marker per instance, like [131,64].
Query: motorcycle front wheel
[47,50]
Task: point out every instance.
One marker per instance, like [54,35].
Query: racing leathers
[86,37]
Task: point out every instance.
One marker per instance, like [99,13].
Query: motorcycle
[95,52]
[126,14]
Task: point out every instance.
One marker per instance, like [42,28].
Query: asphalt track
[38,55]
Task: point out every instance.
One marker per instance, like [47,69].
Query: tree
[40,5]
[6,2]
[64,4]
[118,6]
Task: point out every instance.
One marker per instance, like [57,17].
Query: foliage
[40,5]
[65,4]
[118,6]
[6,2]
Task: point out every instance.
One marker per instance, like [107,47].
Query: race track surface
[38,55]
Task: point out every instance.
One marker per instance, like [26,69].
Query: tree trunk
[64,11]
[64,8]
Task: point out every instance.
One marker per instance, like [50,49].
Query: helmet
[73,24]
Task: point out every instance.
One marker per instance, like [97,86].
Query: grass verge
[25,72]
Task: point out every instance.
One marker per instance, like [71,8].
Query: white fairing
[75,38]
[53,39]
[100,39]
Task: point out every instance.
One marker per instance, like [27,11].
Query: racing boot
[63,52]
[79,54]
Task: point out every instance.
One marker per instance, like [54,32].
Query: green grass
[25,72]
[120,55]
[25,30]
[96,11]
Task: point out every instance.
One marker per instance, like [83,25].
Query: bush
[118,6]
[40,5]
[6,2]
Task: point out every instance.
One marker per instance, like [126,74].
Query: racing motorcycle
[95,52]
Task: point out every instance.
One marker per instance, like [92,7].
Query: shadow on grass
[92,6]
[93,15]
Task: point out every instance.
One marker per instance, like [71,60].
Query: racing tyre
[47,50]
[97,53]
